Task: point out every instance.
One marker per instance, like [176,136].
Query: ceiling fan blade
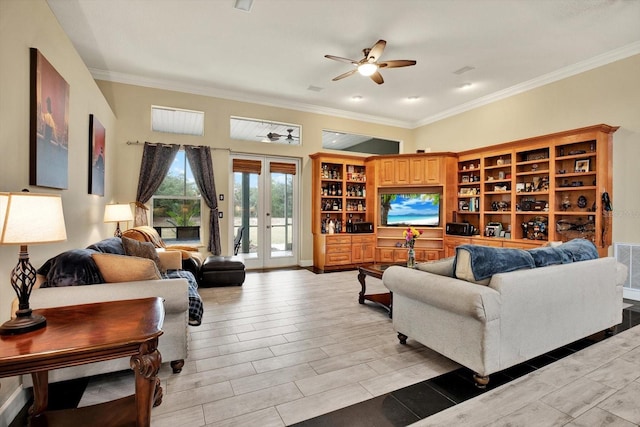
[377,77]
[376,51]
[347,74]
[397,63]
[340,59]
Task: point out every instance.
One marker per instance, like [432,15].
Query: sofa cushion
[476,263]
[143,250]
[124,268]
[70,268]
[111,245]
[442,267]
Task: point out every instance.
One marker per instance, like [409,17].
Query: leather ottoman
[221,271]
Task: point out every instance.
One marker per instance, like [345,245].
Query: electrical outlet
[220,214]
[221,197]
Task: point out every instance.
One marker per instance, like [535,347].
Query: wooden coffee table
[384,300]
[88,333]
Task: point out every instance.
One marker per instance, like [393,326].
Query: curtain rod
[155,143]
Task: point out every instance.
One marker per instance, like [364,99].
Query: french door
[266,207]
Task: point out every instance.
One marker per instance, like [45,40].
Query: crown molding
[554,76]
[563,73]
[241,97]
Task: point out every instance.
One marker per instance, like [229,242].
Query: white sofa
[517,316]
[172,344]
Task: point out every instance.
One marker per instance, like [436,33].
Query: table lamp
[28,218]
[116,213]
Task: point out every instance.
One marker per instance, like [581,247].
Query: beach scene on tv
[410,209]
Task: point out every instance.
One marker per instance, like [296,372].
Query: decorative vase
[411,259]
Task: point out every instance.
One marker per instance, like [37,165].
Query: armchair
[191,258]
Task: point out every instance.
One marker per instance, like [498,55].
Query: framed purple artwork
[96,156]
[49,125]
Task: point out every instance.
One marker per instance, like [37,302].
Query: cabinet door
[432,170]
[357,254]
[386,255]
[400,255]
[368,252]
[386,172]
[402,170]
[417,171]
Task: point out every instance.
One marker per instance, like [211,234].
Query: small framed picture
[519,187]
[465,178]
[582,165]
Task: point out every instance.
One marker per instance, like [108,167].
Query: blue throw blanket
[571,251]
[487,260]
[195,301]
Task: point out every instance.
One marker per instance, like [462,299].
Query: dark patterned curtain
[199,158]
[156,161]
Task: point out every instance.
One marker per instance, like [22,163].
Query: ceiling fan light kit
[369,65]
[367,69]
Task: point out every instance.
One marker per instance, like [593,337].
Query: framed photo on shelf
[582,165]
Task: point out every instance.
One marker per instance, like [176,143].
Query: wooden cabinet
[343,250]
[339,192]
[363,248]
[546,188]
[390,244]
[411,170]
[341,196]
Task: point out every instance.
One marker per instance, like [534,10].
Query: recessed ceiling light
[243,5]
[356,98]
[413,98]
[465,85]
[315,88]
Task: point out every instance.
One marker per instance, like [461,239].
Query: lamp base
[23,324]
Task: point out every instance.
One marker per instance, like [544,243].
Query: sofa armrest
[175,293]
[170,260]
[478,301]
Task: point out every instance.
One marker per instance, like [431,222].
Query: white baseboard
[633,294]
[305,263]
[13,406]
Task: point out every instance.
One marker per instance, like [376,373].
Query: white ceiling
[274,53]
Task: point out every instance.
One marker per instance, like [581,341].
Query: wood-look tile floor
[292,347]
[287,346]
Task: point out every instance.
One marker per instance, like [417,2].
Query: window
[264,131]
[176,204]
[176,120]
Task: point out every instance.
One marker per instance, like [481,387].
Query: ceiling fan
[369,65]
[272,136]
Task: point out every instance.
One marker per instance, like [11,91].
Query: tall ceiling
[274,54]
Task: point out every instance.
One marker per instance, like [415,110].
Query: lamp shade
[30,218]
[117,213]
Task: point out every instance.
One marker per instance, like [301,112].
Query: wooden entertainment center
[516,194]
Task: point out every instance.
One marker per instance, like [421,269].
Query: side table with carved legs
[89,333]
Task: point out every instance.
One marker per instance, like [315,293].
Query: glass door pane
[245,212]
[281,215]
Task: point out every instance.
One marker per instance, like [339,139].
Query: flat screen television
[404,209]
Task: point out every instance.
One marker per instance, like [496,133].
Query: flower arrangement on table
[410,236]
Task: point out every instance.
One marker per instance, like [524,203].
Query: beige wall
[609,94]
[132,106]
[25,24]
